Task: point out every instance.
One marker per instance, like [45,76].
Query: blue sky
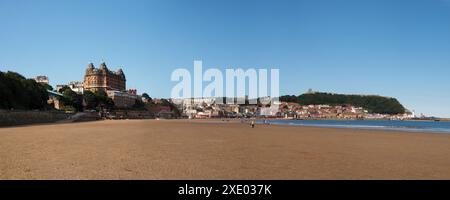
[398,48]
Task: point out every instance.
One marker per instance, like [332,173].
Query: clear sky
[398,48]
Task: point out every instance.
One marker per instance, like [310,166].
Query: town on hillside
[208,108]
[120,102]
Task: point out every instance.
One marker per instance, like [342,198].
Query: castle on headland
[103,79]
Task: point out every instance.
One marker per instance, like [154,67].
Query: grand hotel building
[104,79]
[113,83]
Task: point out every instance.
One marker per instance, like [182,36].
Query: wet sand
[150,149]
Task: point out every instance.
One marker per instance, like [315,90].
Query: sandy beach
[179,149]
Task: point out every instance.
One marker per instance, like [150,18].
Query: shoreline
[367,128]
[237,120]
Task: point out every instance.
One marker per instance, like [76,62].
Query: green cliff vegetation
[17,92]
[71,101]
[372,103]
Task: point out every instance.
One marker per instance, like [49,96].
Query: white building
[122,99]
[76,87]
[42,79]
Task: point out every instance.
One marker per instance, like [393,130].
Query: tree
[17,92]
[6,94]
[90,99]
[109,103]
[64,88]
[37,94]
[71,99]
[103,100]
[373,103]
[145,95]
[47,86]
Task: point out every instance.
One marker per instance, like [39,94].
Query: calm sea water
[411,126]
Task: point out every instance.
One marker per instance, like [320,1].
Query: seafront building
[103,79]
[122,99]
[111,82]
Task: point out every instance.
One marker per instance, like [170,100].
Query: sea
[395,125]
